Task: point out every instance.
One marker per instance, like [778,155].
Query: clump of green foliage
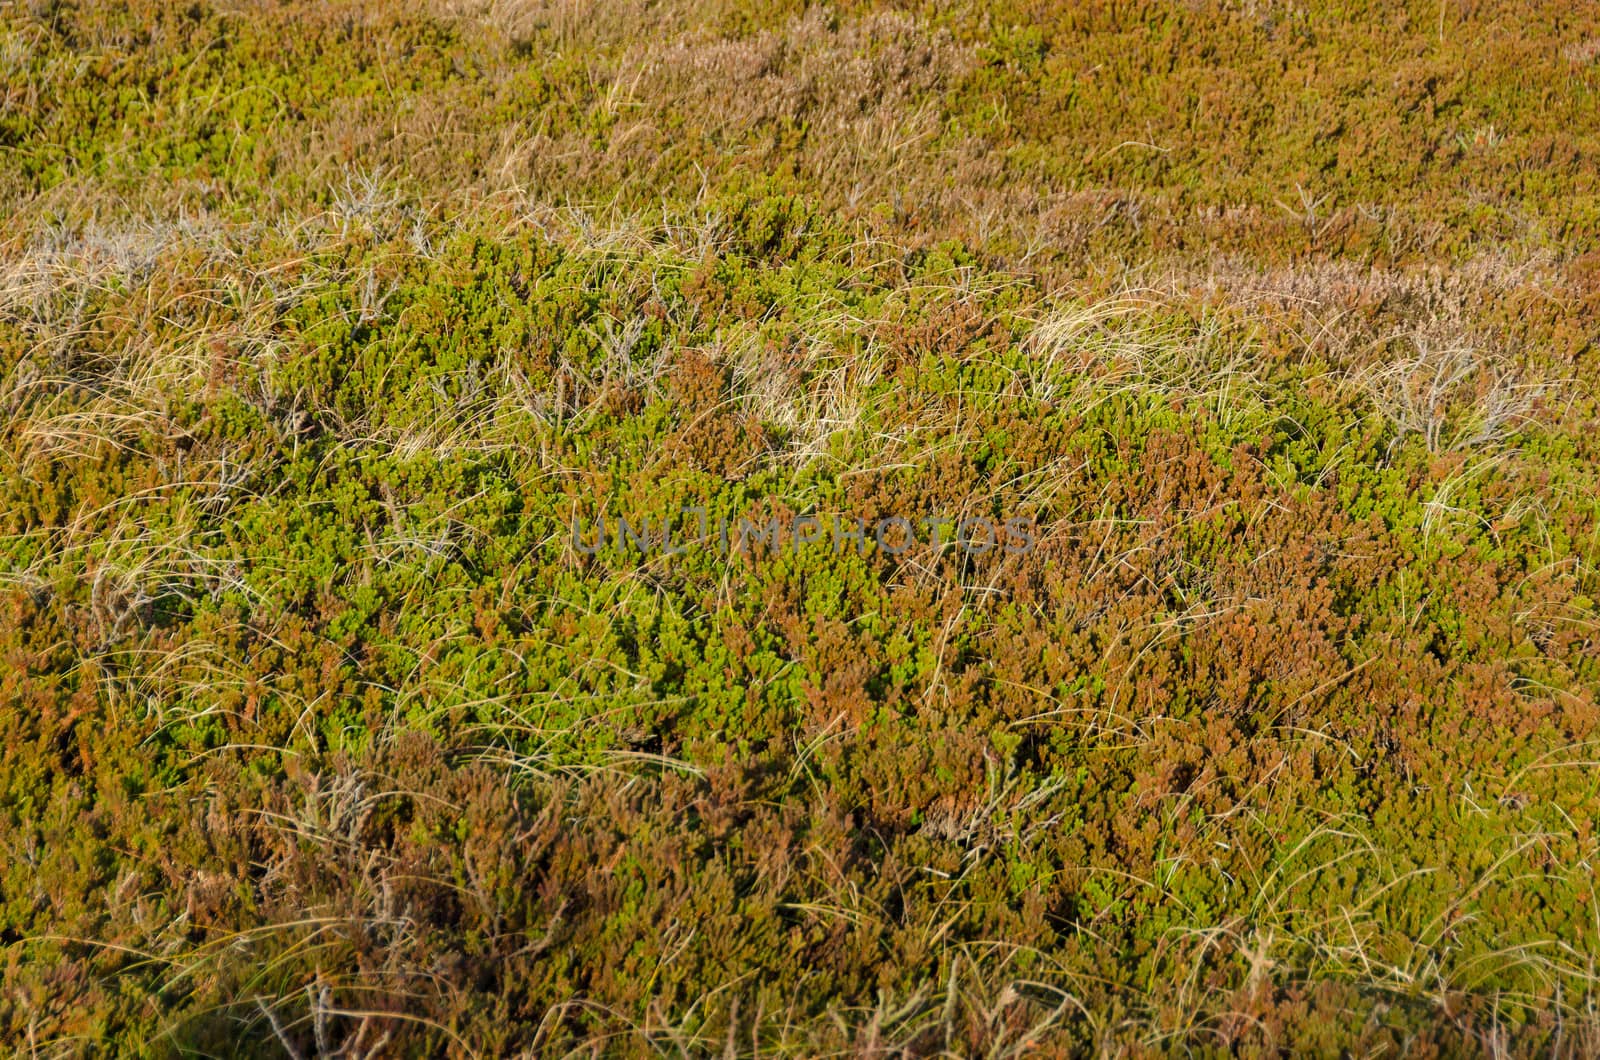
[320,325]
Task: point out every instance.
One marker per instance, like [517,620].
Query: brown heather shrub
[319,738]
[867,82]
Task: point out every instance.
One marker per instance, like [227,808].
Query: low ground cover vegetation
[325,327]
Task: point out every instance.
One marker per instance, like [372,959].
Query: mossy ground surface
[320,323]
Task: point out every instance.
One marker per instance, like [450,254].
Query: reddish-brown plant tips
[717,527]
[976,535]
[677,534]
[881,534]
